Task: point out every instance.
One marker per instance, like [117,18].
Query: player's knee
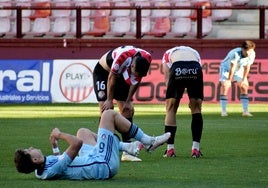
[82,131]
[244,88]
[128,113]
[108,115]
[108,112]
[225,85]
[172,105]
[195,105]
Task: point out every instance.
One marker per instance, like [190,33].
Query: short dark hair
[248,44]
[23,162]
[142,66]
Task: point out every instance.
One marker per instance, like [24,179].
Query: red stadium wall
[94,48]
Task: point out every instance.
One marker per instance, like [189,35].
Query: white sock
[142,137]
[170,146]
[147,140]
[123,146]
[195,145]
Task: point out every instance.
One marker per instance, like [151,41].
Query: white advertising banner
[72,81]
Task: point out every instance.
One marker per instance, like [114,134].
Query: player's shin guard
[197,126]
[172,130]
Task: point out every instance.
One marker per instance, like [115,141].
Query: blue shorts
[107,149]
[86,150]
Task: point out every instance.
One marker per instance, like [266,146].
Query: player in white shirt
[235,68]
[183,70]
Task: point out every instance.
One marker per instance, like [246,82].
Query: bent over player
[86,157]
[235,68]
[182,70]
[117,76]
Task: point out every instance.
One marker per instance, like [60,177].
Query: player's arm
[166,73]
[132,90]
[167,62]
[232,70]
[74,143]
[127,108]
[251,56]
[111,86]
[55,148]
[108,104]
[128,105]
[246,72]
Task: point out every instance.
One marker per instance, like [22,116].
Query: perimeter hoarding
[46,81]
[153,87]
[71,81]
[25,81]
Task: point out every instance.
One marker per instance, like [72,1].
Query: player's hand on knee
[107,105]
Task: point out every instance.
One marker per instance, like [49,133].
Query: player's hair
[23,162]
[142,66]
[248,44]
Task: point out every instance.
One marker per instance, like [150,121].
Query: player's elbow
[79,143]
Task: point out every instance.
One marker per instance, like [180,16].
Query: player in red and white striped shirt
[117,76]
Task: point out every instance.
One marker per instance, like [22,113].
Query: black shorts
[109,59]
[100,77]
[185,75]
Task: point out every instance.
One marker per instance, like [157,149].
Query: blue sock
[120,146]
[244,101]
[133,130]
[138,134]
[223,101]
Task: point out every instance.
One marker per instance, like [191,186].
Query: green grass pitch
[235,148]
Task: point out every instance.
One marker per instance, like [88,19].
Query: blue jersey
[236,57]
[101,162]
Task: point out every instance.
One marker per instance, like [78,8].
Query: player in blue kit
[88,156]
[235,68]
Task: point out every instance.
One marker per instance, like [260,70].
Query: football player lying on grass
[88,156]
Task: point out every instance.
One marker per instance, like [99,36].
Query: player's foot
[196,153]
[158,141]
[127,157]
[224,114]
[246,114]
[170,153]
[134,148]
